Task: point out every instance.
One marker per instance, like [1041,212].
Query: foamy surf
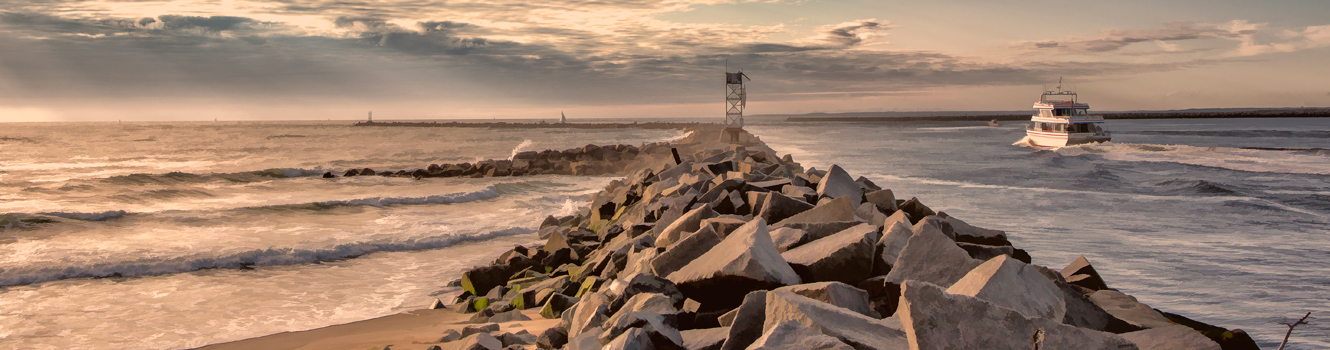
[519,148]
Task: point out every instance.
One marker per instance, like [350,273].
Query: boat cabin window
[1045,113]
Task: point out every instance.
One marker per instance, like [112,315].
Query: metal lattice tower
[735,99]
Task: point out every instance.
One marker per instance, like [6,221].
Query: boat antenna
[1059,83]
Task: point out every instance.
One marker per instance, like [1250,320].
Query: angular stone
[688,223]
[481,279]
[869,213]
[746,325]
[704,339]
[479,341]
[859,331]
[552,338]
[556,305]
[510,339]
[935,319]
[882,295]
[970,234]
[931,257]
[559,241]
[685,251]
[791,335]
[590,340]
[484,328]
[819,230]
[838,184]
[450,335]
[724,224]
[621,290]
[985,252]
[659,328]
[786,238]
[590,313]
[890,246]
[743,262]
[1012,284]
[801,192]
[839,209]
[846,256]
[1126,308]
[836,293]
[778,207]
[1081,273]
[885,200]
[918,211]
[1172,337]
[633,339]
[509,316]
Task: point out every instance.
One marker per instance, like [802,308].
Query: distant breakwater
[1302,113]
[728,246]
[541,125]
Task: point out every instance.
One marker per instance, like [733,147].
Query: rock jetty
[726,247]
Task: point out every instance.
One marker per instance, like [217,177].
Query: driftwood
[1303,320]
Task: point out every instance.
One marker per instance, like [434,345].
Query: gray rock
[858,331]
[659,328]
[937,223]
[936,319]
[846,256]
[889,247]
[687,223]
[478,341]
[685,251]
[620,291]
[803,193]
[484,328]
[837,184]
[590,313]
[726,319]
[649,302]
[1173,337]
[778,207]
[590,340]
[509,316]
[885,200]
[786,238]
[791,335]
[755,199]
[882,295]
[918,211]
[638,262]
[836,293]
[704,339]
[931,257]
[746,325]
[556,305]
[1126,308]
[1081,273]
[819,230]
[725,224]
[510,339]
[552,338]
[985,252]
[481,279]
[743,262]
[869,213]
[839,209]
[1012,284]
[633,339]
[450,335]
[970,234]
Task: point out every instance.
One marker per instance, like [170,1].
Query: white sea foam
[520,146]
[257,257]
[487,193]
[1255,160]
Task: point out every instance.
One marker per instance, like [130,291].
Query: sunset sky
[416,59]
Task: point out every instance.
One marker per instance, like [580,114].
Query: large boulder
[552,338]
[1081,273]
[791,335]
[837,184]
[846,256]
[747,321]
[704,339]
[743,262]
[839,209]
[620,291]
[970,234]
[687,223]
[1012,284]
[918,211]
[478,341]
[1126,308]
[931,257]
[590,313]
[685,251]
[482,279]
[632,339]
[859,331]
[787,238]
[836,293]
[778,207]
[890,245]
[1174,337]
[935,319]
[660,329]
[885,200]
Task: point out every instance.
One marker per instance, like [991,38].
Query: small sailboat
[1060,120]
[563,119]
[993,123]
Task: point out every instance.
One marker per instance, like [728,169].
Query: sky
[99,60]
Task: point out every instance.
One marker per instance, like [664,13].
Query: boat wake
[1241,159]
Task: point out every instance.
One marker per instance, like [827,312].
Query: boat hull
[1052,139]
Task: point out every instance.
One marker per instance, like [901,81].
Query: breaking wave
[240,260]
[487,193]
[520,146]
[102,216]
[1200,187]
[1253,160]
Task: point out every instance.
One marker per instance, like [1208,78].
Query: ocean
[177,235]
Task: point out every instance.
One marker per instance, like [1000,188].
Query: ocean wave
[1199,187]
[239,260]
[290,172]
[487,193]
[98,216]
[520,146]
[1318,134]
[1252,160]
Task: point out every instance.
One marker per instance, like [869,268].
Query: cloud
[1110,41]
[1310,37]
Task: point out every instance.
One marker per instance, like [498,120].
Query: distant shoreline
[1314,113]
[503,125]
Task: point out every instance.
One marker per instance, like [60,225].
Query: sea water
[175,235]
[1225,221]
